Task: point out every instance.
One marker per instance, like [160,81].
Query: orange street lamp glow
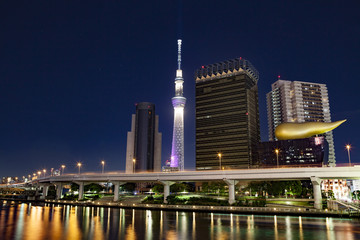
[103,165]
[348,146]
[134,161]
[277,157]
[63,168]
[79,165]
[220,155]
[44,172]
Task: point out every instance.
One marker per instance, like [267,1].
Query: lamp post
[103,166]
[277,157]
[39,173]
[348,146]
[134,162]
[63,169]
[220,155]
[79,165]
[44,172]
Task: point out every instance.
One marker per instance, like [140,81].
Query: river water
[26,221]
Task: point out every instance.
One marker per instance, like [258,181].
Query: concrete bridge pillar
[231,184]
[116,190]
[37,188]
[45,189]
[167,185]
[316,182]
[81,190]
[58,190]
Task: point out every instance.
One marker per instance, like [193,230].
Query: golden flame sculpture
[286,131]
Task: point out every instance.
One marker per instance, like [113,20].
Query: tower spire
[179,53]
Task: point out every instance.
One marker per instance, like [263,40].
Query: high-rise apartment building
[143,151]
[295,101]
[227,115]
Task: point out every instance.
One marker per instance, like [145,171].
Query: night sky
[72,71]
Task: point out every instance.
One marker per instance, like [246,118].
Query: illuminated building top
[227,68]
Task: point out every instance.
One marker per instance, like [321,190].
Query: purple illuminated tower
[177,150]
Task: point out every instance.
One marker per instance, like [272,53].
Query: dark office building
[296,153]
[227,115]
[143,151]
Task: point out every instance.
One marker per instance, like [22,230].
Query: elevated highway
[230,177]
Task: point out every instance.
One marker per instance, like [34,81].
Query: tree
[217,187]
[93,187]
[74,187]
[295,188]
[182,187]
[278,187]
[331,194]
[51,191]
[158,188]
[129,187]
[205,187]
[307,189]
[259,187]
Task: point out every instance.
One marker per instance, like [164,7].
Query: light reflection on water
[26,221]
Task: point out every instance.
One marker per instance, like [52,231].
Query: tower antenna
[179,53]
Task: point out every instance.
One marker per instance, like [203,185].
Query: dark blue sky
[71,71]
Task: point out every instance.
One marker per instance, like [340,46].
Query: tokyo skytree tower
[177,151]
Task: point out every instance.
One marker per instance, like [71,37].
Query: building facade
[227,115]
[339,188]
[296,101]
[307,152]
[143,151]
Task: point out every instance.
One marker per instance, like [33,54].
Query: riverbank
[197,208]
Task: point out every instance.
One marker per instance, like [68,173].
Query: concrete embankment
[219,209]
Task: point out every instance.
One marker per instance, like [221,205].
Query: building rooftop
[227,68]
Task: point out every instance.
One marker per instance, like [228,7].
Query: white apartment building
[296,101]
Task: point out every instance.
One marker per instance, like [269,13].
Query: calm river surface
[26,221]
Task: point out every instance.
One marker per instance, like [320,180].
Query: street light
[79,165]
[348,146]
[219,155]
[39,173]
[134,162]
[63,168]
[44,172]
[277,157]
[103,165]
